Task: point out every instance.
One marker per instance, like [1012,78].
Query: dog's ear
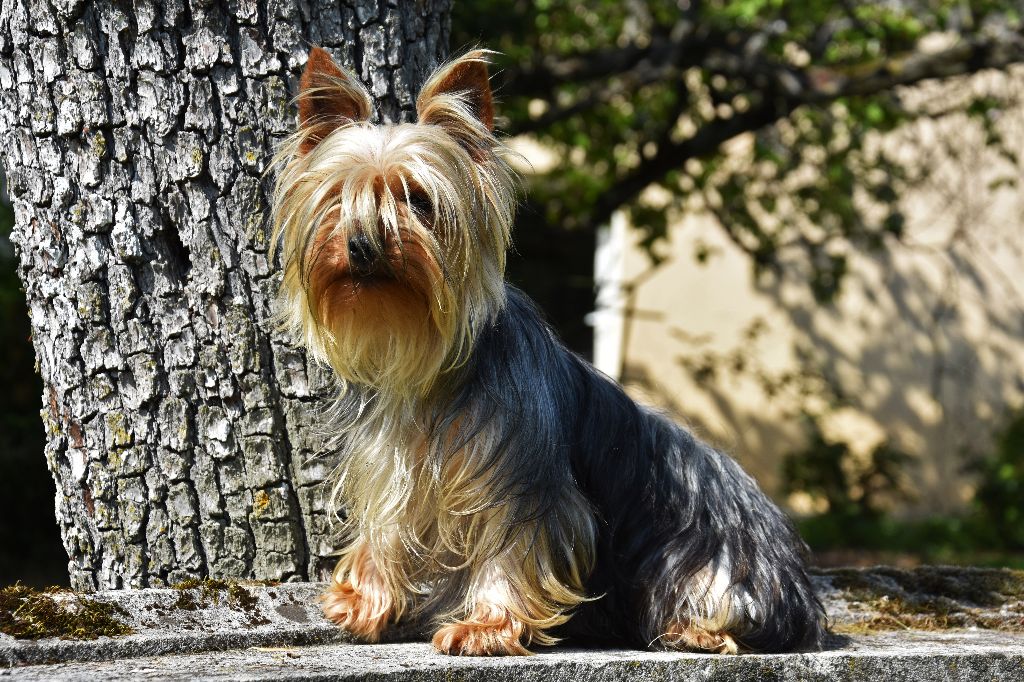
[458,97]
[329,97]
[465,78]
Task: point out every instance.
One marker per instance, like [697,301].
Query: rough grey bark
[135,137]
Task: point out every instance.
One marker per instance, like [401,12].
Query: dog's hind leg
[708,609]
[693,637]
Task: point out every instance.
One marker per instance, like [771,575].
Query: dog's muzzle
[362,257]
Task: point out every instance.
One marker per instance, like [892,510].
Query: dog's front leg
[515,598]
[359,599]
[495,624]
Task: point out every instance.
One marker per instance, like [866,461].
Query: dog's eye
[419,203]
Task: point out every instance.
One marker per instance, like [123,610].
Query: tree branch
[594,97]
[671,155]
[970,55]
[683,41]
[790,88]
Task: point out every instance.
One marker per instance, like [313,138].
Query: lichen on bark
[135,137]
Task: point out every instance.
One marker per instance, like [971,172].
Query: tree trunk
[135,138]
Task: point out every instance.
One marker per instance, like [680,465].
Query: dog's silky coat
[496,485]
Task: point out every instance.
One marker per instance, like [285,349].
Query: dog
[497,487]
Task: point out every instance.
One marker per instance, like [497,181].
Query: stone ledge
[168,620]
[928,657]
[929,624]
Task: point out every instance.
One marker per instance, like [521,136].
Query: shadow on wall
[936,364]
[923,349]
[929,337]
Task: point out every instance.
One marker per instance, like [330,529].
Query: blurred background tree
[631,94]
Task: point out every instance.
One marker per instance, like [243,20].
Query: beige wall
[926,340]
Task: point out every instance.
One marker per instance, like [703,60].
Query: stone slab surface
[927,657]
[926,624]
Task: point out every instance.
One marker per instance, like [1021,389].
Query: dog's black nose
[361,256]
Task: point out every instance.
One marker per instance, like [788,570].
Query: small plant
[999,499]
[827,470]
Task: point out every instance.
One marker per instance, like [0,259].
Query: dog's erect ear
[455,90]
[328,98]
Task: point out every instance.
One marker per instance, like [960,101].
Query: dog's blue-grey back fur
[666,504]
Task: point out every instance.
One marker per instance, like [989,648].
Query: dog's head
[393,237]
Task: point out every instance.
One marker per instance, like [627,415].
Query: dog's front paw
[363,612]
[497,633]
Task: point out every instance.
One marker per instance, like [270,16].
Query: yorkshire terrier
[496,486]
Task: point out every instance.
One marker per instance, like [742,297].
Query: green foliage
[626,103]
[999,499]
[991,534]
[887,539]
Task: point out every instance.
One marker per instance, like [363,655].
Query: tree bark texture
[136,137]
